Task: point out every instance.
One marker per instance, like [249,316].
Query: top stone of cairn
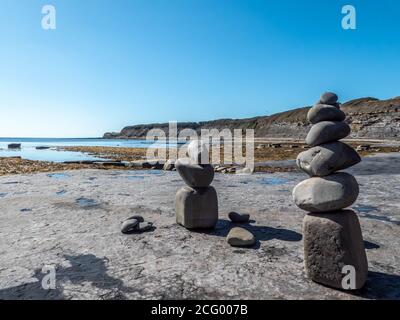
[329,98]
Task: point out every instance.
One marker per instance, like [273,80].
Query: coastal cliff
[368,118]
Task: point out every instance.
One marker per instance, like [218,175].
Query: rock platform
[72,220]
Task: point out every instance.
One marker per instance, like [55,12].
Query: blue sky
[112,63]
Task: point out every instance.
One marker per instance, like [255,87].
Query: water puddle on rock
[135,177]
[365,210]
[380,218]
[58,175]
[2,195]
[273,181]
[61,192]
[26,210]
[86,203]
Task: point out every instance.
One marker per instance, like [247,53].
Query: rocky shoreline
[270,157]
[369,118]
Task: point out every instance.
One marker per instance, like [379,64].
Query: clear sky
[112,63]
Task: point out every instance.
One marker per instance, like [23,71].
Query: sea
[29,146]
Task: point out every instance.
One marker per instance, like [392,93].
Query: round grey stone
[129,225]
[144,226]
[239,237]
[327,131]
[331,193]
[324,112]
[327,158]
[329,98]
[238,217]
[195,175]
[137,217]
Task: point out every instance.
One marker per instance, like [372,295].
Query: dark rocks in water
[14,146]
[114,163]
[238,217]
[42,148]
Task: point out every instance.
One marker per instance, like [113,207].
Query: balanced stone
[325,194]
[329,98]
[331,242]
[327,131]
[239,237]
[198,152]
[327,158]
[238,217]
[324,112]
[195,175]
[196,208]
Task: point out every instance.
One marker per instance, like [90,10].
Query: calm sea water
[28,148]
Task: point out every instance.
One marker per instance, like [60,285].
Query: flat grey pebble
[129,225]
[144,226]
[238,217]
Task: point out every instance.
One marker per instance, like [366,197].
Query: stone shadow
[261,233]
[84,268]
[31,291]
[371,245]
[380,286]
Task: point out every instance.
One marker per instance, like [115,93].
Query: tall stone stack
[332,236]
[196,204]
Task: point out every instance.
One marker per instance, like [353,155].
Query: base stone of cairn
[196,208]
[332,236]
[332,241]
[196,204]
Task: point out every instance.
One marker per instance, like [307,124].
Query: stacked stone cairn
[332,236]
[196,204]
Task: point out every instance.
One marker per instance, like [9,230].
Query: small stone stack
[332,236]
[196,204]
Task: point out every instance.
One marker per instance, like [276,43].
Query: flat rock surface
[72,220]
